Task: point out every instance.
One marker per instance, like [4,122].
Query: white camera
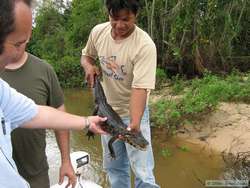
[79,159]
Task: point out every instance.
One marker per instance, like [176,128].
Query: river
[178,163]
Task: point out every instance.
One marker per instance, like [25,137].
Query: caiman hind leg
[111,149]
[90,133]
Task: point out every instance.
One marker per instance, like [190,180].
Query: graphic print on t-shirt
[111,68]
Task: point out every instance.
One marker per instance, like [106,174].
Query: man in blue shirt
[16,110]
[37,80]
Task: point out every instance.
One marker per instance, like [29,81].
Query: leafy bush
[202,95]
[165,113]
[69,71]
[161,78]
[178,85]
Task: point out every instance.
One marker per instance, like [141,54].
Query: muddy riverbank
[227,129]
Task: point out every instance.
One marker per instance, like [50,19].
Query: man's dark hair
[7,22]
[114,6]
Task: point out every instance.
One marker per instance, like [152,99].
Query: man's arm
[50,118]
[137,106]
[144,79]
[66,169]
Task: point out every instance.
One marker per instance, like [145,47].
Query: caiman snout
[136,140]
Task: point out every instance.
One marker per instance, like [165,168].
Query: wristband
[87,124]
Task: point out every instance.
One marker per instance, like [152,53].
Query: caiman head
[136,139]
[98,91]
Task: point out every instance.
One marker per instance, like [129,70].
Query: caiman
[114,124]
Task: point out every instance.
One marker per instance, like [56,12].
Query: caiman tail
[98,91]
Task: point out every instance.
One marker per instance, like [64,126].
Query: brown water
[178,163]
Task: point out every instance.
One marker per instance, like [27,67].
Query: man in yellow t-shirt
[127,57]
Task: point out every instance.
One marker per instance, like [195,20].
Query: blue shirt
[15,109]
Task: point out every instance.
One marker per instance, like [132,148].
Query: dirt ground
[226,129]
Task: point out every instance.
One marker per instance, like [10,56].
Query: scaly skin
[114,124]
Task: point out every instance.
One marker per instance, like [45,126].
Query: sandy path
[226,129]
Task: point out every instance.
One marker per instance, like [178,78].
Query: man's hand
[66,169]
[96,123]
[131,128]
[90,69]
[90,72]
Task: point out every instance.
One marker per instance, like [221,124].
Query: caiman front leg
[90,133]
[95,110]
[111,149]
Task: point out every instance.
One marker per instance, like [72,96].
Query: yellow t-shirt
[126,64]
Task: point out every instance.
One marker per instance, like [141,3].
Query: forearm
[62,138]
[50,118]
[86,61]
[137,106]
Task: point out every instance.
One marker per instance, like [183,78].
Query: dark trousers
[40,181]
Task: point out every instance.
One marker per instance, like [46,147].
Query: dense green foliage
[190,35]
[199,96]
[61,32]
[193,35]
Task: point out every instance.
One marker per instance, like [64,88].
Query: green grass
[199,96]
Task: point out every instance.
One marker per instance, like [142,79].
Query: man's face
[15,43]
[123,23]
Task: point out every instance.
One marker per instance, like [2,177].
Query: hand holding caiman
[114,124]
